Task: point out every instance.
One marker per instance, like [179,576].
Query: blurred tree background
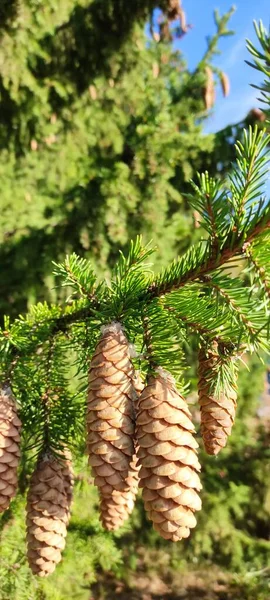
[101,129]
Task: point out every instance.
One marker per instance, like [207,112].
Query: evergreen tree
[197,297]
[100,133]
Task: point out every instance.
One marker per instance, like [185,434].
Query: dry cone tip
[167,455]
[110,421]
[217,411]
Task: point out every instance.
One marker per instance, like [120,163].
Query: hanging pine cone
[110,424]
[167,455]
[10,426]
[217,413]
[173,9]
[47,515]
[225,84]
[209,94]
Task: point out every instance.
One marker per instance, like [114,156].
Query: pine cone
[111,424]
[47,515]
[173,9]
[209,94]
[169,464]
[10,426]
[225,84]
[217,413]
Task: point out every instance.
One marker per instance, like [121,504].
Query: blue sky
[242,96]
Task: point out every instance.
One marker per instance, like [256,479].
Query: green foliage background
[97,143]
[100,133]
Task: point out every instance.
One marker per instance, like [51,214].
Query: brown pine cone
[168,459]
[111,418]
[209,94]
[173,9]
[47,515]
[217,413]
[10,426]
[225,84]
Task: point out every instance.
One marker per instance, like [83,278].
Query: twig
[214,261]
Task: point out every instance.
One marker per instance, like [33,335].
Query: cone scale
[10,426]
[217,413]
[110,424]
[167,455]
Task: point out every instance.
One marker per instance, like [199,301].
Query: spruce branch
[129,279]
[194,325]
[235,298]
[222,373]
[248,179]
[147,342]
[221,22]
[77,273]
[199,261]
[258,269]
[212,203]
[261,62]
[193,293]
[162,340]
[202,315]
[202,259]
[45,397]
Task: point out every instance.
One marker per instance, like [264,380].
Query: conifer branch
[204,260]
[45,398]
[230,301]
[261,62]
[260,271]
[194,265]
[156,309]
[221,25]
[221,376]
[62,323]
[197,327]
[147,342]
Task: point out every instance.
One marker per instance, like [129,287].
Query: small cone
[111,424]
[173,9]
[47,515]
[10,426]
[183,20]
[209,94]
[155,69]
[225,84]
[217,413]
[93,92]
[168,459]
